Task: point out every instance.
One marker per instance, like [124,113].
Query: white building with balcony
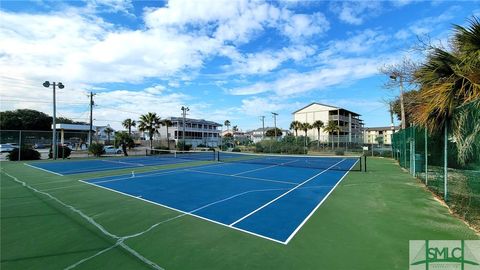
[380,135]
[350,124]
[197,131]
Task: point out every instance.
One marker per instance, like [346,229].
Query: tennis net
[191,155]
[339,163]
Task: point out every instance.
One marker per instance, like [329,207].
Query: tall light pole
[54,137]
[91,119]
[275,124]
[394,77]
[184,114]
[263,127]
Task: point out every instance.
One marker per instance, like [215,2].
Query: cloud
[355,12]
[266,61]
[300,26]
[341,71]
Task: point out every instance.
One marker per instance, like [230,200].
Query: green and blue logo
[444,254]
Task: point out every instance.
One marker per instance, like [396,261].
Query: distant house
[100,134]
[197,131]
[379,135]
[259,134]
[349,122]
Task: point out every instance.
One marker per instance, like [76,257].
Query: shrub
[236,149]
[181,146]
[96,149]
[25,154]
[339,153]
[62,152]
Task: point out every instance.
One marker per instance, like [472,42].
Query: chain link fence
[444,164]
[41,141]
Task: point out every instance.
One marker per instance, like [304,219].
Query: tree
[400,74]
[411,99]
[235,128]
[227,124]
[295,125]
[271,132]
[25,119]
[305,127]
[331,128]
[108,131]
[128,124]
[449,79]
[318,125]
[124,140]
[379,140]
[149,123]
[167,123]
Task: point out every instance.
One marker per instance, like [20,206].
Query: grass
[365,224]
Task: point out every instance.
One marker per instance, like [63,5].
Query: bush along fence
[445,164]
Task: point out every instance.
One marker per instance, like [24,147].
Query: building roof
[202,121]
[73,127]
[381,128]
[321,104]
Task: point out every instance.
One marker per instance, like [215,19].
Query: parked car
[39,146]
[110,149]
[6,147]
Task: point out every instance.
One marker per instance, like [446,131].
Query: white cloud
[300,26]
[266,61]
[341,71]
[355,12]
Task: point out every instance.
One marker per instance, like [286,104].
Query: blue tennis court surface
[269,201]
[104,164]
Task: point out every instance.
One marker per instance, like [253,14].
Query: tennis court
[267,196]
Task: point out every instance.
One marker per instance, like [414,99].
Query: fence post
[445,161]
[426,158]
[19,145]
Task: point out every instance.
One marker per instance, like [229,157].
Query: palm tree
[108,130]
[128,124]
[295,125]
[448,80]
[149,123]
[318,125]
[332,127]
[227,124]
[305,127]
[167,123]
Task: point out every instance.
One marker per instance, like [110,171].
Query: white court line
[146,174]
[186,213]
[38,168]
[122,162]
[277,198]
[316,207]
[244,177]
[263,168]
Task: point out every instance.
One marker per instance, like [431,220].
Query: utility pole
[184,114]
[91,119]
[263,126]
[275,124]
[54,124]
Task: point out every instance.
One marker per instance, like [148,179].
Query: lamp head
[393,77]
[60,85]
[46,84]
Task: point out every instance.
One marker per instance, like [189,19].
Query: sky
[235,60]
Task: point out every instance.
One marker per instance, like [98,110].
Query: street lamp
[184,113]
[54,137]
[275,124]
[394,77]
